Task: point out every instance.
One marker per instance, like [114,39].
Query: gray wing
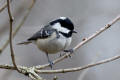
[43,33]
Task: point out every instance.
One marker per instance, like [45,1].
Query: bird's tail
[24,42]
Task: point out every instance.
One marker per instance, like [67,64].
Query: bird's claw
[51,64]
[70,51]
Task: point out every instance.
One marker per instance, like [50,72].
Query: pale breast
[53,44]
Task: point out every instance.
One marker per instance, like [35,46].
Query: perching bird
[54,37]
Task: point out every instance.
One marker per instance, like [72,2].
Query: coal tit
[54,37]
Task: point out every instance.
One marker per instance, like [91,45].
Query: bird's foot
[51,64]
[70,51]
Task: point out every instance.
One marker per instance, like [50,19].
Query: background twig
[30,71]
[10,36]
[4,6]
[18,26]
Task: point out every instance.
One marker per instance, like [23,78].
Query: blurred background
[87,15]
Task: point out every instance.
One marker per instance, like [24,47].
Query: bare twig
[30,71]
[97,32]
[6,66]
[4,6]
[24,70]
[10,36]
[83,42]
[33,75]
[77,68]
[18,26]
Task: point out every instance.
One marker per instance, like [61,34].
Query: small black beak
[74,32]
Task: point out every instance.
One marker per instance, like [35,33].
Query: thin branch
[97,32]
[77,68]
[6,66]
[33,75]
[4,6]
[23,70]
[18,27]
[83,42]
[29,71]
[10,36]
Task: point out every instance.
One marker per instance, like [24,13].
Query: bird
[54,37]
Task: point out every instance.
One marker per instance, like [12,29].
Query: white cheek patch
[59,28]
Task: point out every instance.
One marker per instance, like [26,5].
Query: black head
[64,22]
[67,27]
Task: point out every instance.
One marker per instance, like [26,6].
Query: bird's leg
[70,51]
[50,62]
[60,54]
